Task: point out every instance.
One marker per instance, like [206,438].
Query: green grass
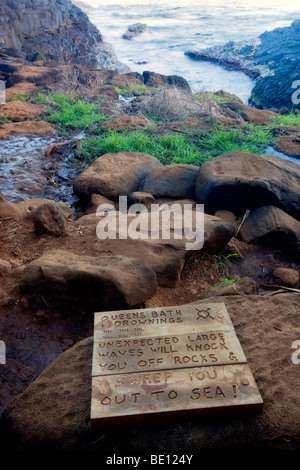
[254,139]
[173,148]
[20,97]
[70,111]
[136,88]
[287,119]
[212,97]
[167,148]
[4,120]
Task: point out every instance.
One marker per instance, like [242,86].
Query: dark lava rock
[56,32]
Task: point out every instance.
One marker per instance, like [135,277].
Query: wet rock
[135,30]
[18,110]
[54,411]
[29,128]
[126,122]
[238,181]
[114,175]
[49,219]
[172,181]
[105,282]
[289,144]
[286,276]
[273,227]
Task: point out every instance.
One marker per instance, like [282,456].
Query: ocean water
[181,25]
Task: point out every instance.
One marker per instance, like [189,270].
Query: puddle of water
[272,151]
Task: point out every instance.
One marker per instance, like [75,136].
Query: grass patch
[21,97]
[253,139]
[173,148]
[70,111]
[287,119]
[207,97]
[4,120]
[136,88]
[166,148]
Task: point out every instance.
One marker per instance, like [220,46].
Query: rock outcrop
[135,30]
[53,33]
[272,59]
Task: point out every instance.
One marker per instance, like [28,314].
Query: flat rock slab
[155,364]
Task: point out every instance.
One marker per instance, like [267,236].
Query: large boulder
[273,227]
[172,181]
[115,174]
[97,282]
[54,411]
[238,181]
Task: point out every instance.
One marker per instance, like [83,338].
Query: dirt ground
[38,329]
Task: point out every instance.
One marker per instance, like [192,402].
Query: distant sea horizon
[178,26]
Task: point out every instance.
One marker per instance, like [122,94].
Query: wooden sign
[164,363]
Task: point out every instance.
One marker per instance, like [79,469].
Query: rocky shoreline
[271,59]
[55,271]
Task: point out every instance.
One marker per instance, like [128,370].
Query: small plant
[208,97]
[135,88]
[20,97]
[221,259]
[4,120]
[225,281]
